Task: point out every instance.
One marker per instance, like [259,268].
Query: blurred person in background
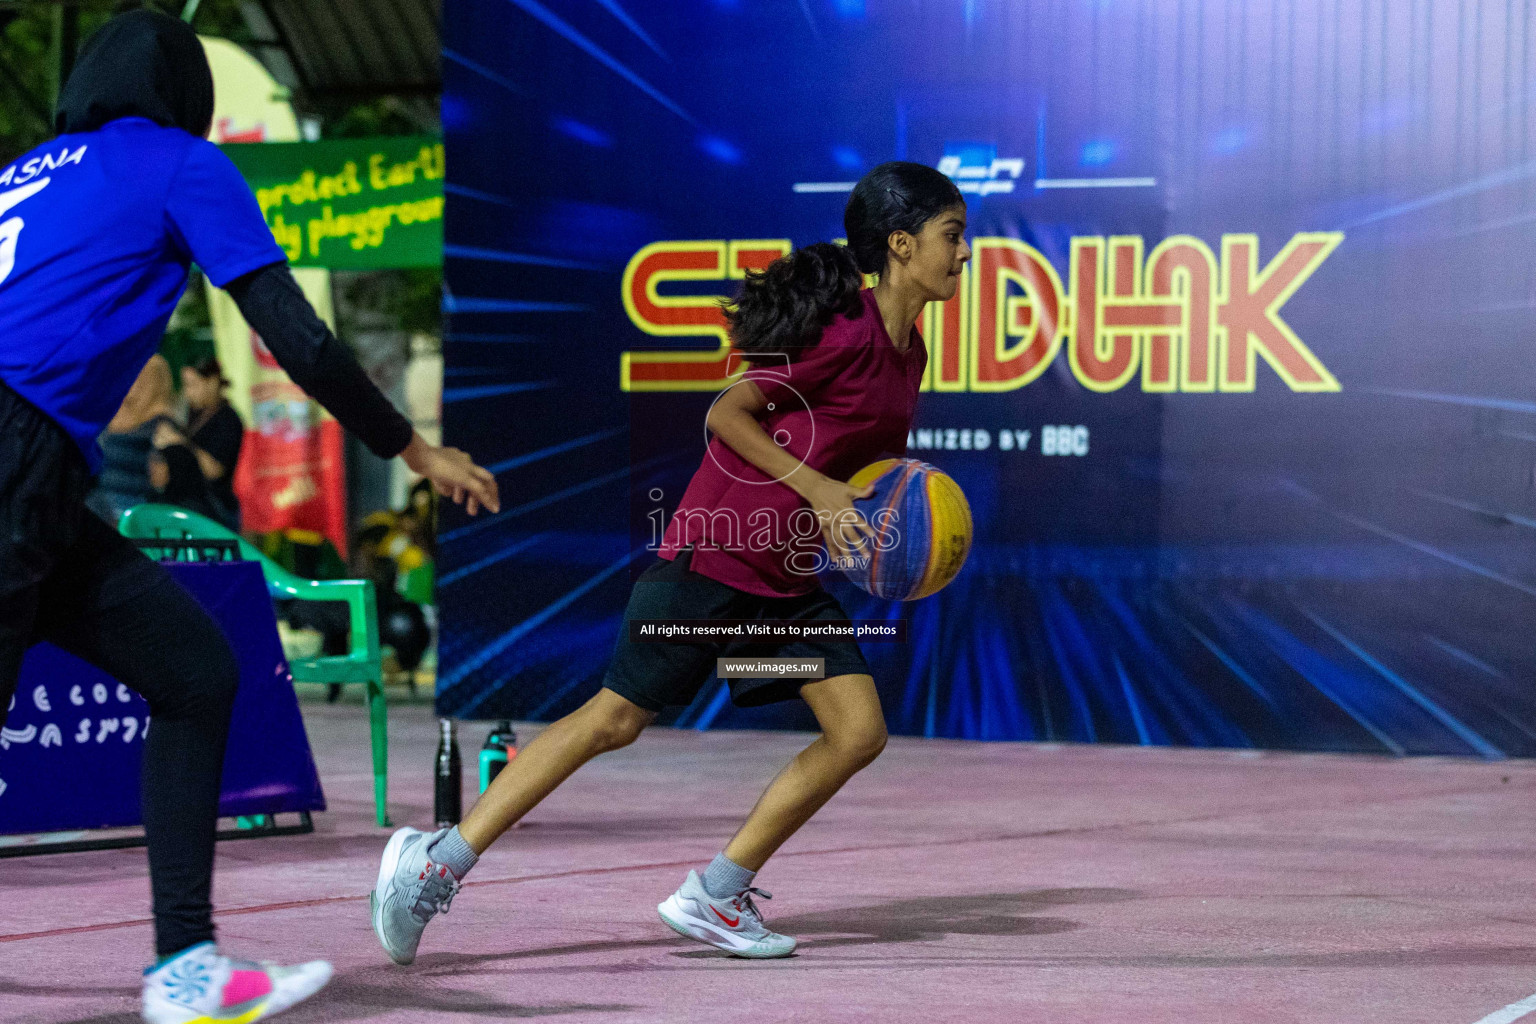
[138,427]
[213,435]
[175,478]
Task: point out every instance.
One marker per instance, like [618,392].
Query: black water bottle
[447,798]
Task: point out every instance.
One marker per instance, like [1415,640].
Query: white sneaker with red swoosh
[734,925]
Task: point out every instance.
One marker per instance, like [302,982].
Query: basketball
[923,527]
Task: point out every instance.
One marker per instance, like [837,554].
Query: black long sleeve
[275,306]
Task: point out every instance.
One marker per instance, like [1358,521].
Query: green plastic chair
[361,664]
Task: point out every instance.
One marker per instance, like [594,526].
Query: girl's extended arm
[274,305]
[734,420]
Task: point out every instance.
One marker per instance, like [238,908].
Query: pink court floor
[949,882]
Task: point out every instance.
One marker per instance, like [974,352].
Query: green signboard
[350,204]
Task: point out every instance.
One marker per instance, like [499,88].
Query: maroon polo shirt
[842,404]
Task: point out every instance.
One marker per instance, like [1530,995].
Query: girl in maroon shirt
[832,385]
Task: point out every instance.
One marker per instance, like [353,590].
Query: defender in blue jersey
[98,229]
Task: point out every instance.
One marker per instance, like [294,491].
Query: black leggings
[68,578]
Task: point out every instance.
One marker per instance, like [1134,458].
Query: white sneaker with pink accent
[203,985]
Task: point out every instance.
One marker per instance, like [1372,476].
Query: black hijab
[140,64]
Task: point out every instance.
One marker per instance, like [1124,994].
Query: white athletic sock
[454,853]
[724,878]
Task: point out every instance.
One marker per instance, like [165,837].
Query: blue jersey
[97,232]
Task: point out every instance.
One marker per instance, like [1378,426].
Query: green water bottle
[500,747]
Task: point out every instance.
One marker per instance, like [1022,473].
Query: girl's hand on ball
[843,526]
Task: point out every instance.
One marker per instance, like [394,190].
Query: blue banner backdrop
[1235,387]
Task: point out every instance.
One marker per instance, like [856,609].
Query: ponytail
[784,307]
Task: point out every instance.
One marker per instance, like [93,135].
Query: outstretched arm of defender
[275,306]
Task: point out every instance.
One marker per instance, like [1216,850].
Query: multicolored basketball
[923,523]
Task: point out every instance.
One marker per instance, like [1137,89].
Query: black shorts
[658,674]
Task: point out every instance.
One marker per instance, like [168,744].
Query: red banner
[291,472]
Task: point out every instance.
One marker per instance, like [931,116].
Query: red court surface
[950,882]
